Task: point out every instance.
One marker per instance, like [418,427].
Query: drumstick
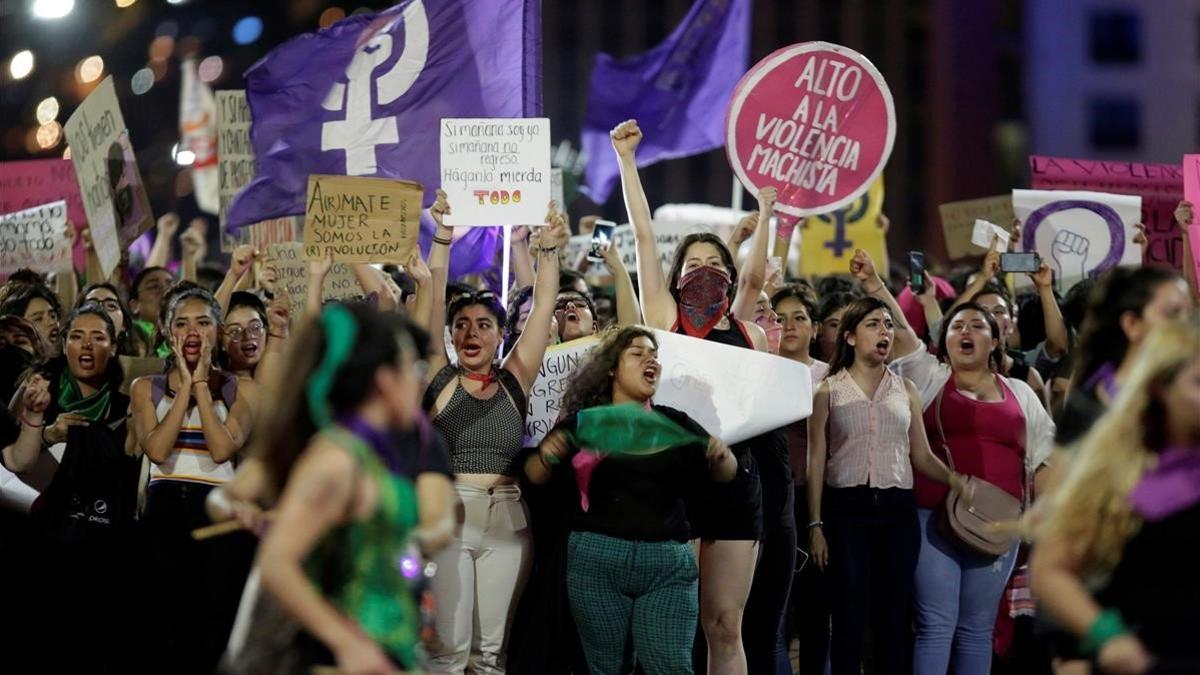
[223,527]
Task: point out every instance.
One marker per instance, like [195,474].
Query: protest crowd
[580,448]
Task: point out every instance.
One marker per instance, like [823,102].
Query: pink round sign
[816,122]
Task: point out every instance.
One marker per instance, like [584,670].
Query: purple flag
[678,91]
[364,96]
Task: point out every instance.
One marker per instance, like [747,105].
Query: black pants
[763,622]
[195,585]
[874,540]
[810,599]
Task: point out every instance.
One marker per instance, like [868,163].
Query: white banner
[496,171]
[35,238]
[545,397]
[734,393]
[1080,234]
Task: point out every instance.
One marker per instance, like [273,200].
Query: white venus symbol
[358,133]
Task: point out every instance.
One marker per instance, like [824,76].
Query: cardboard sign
[496,171]
[734,393]
[114,196]
[1080,234]
[958,221]
[235,159]
[291,276]
[828,241]
[370,220]
[816,121]
[27,184]
[34,238]
[545,396]
[1159,185]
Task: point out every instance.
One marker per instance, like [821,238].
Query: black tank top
[734,336]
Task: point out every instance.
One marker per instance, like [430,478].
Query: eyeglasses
[236,333]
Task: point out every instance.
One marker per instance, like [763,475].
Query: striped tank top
[189,461]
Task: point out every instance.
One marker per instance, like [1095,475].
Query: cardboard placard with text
[114,197]
[1191,192]
[545,396]
[291,276]
[828,241]
[235,159]
[35,238]
[496,171]
[358,219]
[958,222]
[1159,185]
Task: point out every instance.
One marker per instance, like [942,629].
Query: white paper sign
[1079,234]
[982,235]
[35,238]
[557,191]
[545,397]
[734,393]
[496,171]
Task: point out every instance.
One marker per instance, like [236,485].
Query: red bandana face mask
[703,300]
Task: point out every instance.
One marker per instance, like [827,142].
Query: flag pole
[735,200]
[504,266]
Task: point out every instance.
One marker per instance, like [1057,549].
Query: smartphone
[916,271]
[601,240]
[1020,262]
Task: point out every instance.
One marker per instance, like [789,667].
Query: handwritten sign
[987,234]
[545,396]
[734,393]
[26,184]
[829,240]
[235,159]
[814,120]
[114,196]
[371,220]
[291,276]
[34,238]
[1159,185]
[1080,234]
[958,221]
[496,171]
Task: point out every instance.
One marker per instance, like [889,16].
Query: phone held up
[916,271]
[1020,262]
[601,240]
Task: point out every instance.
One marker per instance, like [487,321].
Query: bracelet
[551,249]
[816,523]
[277,337]
[870,292]
[31,424]
[1106,627]
[439,240]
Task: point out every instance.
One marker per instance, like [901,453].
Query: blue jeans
[957,597]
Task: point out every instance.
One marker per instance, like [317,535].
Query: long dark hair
[1120,290]
[288,425]
[855,313]
[173,299]
[114,374]
[996,356]
[18,299]
[681,255]
[129,339]
[591,384]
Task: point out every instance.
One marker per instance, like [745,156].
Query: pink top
[987,439]
[868,437]
[798,432]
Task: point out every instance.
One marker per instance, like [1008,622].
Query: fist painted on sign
[497,197]
[1070,253]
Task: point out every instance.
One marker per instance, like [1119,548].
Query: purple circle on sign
[1116,229]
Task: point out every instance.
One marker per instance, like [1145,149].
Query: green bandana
[629,429]
[71,399]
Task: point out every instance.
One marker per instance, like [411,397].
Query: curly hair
[592,383]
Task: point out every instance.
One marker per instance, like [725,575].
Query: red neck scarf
[487,378]
[703,300]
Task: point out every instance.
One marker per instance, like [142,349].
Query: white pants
[479,578]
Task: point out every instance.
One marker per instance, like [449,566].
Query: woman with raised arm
[191,423]
[630,571]
[1114,554]
[479,406]
[865,437]
[993,428]
[695,300]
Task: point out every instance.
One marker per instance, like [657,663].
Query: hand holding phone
[1020,262]
[916,271]
[601,240]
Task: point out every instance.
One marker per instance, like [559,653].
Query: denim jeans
[957,597]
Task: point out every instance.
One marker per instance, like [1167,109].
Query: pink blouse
[868,437]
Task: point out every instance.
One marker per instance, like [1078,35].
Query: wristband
[1106,627]
[277,336]
[31,424]
[551,249]
[816,523]
[443,242]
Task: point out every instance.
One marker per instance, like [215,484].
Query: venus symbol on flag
[358,133]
